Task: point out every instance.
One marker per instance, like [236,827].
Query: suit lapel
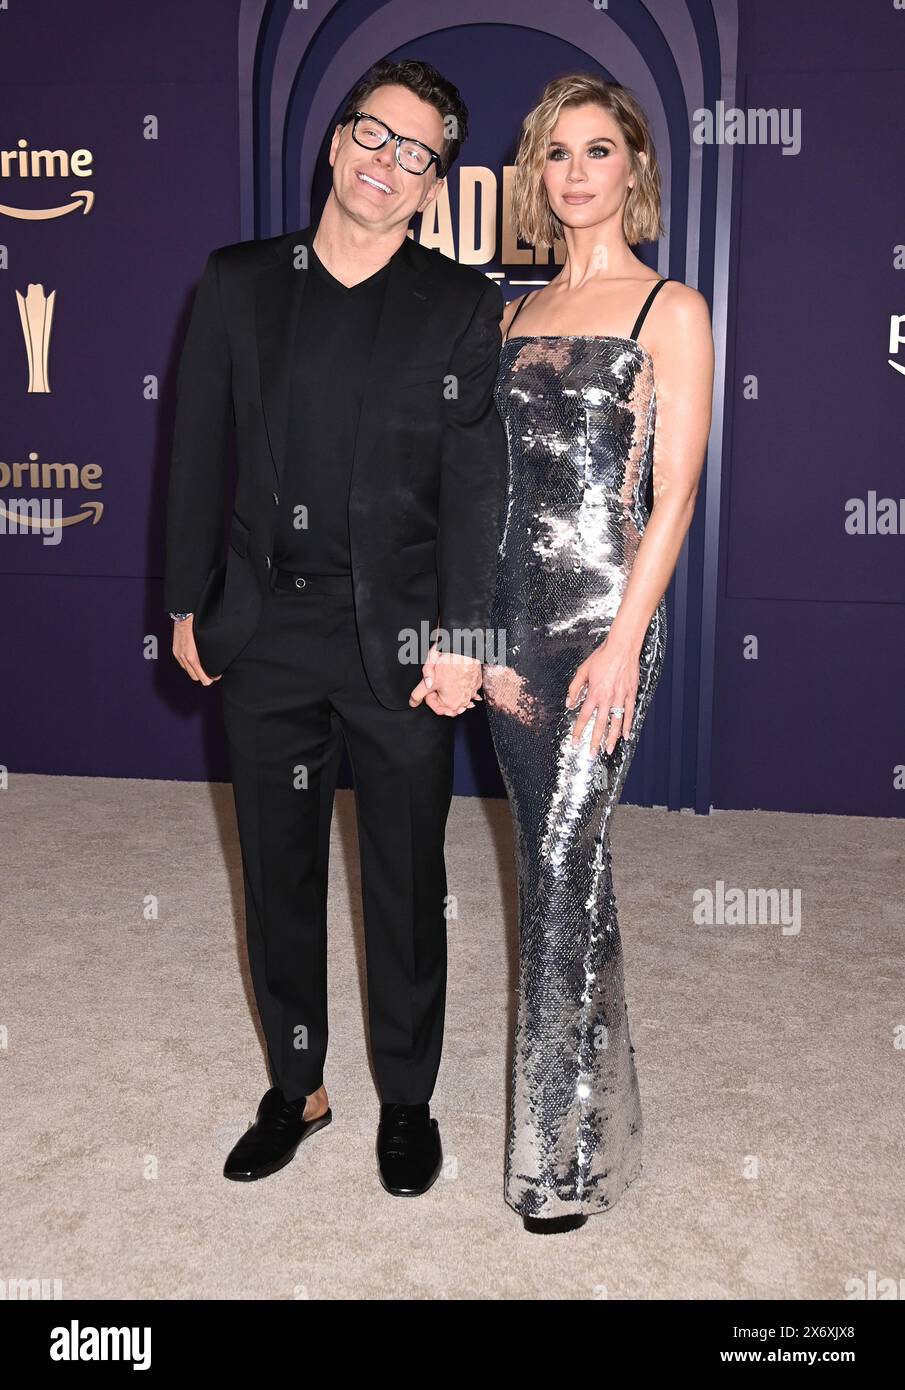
[397,342]
[278,300]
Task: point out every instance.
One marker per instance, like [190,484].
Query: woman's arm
[683,366]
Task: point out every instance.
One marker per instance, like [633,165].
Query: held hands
[449,683]
[186,653]
[611,677]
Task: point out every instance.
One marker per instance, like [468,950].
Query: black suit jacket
[429,471]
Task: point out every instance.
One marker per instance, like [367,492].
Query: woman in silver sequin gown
[579,411]
[579,414]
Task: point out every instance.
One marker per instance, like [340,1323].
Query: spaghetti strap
[646,305]
[521,306]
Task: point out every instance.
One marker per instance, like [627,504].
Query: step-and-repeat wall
[134,139]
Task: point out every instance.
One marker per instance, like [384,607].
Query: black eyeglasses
[411,155]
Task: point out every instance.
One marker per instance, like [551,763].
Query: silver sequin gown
[579,413]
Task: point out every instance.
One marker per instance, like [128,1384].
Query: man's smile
[374,183]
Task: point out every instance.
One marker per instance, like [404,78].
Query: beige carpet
[771,1081]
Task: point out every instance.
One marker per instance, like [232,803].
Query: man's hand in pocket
[186,653]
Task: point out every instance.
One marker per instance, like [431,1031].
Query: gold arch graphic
[84,202]
[88,508]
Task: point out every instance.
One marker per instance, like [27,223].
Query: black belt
[291,582]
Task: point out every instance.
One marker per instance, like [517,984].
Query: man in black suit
[357,369]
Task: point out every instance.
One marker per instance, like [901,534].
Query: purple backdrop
[785,666]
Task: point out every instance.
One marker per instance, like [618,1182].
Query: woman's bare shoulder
[677,332]
[681,307]
[511,310]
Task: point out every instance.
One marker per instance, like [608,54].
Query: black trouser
[289,698]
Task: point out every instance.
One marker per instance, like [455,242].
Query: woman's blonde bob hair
[535,221]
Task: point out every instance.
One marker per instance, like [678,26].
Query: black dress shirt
[336,330]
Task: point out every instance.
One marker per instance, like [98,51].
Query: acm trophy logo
[21,512]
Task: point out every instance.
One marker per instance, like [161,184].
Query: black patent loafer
[273,1139]
[409,1152]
